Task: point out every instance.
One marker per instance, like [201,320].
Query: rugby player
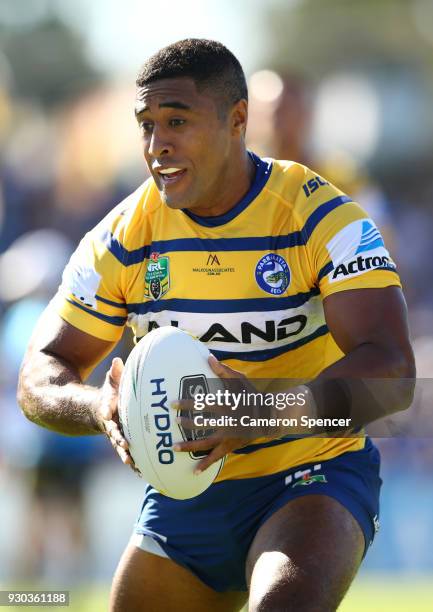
[282,276]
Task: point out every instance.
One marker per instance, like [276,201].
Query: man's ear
[239,117]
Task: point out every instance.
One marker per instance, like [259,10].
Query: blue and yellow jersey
[249,283]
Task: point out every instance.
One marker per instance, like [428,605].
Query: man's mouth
[171,175]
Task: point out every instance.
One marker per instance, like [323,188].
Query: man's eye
[176,122]
[146,127]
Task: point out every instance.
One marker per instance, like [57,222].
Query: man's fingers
[233,380]
[122,451]
[186,408]
[113,431]
[125,456]
[217,453]
[197,445]
[186,423]
[115,371]
[182,405]
[111,388]
[106,411]
[222,370]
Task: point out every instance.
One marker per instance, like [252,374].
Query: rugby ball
[166,365]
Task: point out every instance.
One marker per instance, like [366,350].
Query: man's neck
[231,190]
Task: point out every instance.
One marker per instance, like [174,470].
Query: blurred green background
[344,86]
[379,594]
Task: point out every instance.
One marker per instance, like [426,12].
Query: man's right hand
[52,390]
[108,415]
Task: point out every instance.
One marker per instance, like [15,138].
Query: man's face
[187,144]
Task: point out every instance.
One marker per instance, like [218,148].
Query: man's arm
[51,391]
[370,327]
[377,371]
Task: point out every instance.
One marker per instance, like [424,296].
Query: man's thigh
[147,582]
[304,557]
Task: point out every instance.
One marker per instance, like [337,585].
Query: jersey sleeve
[91,295]
[346,249]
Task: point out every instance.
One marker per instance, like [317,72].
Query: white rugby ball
[164,366]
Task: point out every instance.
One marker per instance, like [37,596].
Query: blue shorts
[211,534]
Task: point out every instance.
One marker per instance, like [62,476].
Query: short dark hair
[209,63]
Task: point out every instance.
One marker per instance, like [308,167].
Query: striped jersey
[249,284]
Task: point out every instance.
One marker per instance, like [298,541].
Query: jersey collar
[263,172]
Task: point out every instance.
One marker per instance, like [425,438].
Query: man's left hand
[221,442]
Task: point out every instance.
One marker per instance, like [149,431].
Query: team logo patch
[272,274]
[157,277]
[307,480]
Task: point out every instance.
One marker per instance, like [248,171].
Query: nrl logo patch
[157,277]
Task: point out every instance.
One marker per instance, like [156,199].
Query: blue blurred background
[345,87]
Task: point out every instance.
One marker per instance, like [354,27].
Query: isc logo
[313,184]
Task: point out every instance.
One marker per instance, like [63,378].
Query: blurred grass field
[378,594]
[389,594]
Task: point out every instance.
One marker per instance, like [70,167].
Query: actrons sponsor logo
[362,264]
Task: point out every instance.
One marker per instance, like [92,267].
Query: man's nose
[160,144]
